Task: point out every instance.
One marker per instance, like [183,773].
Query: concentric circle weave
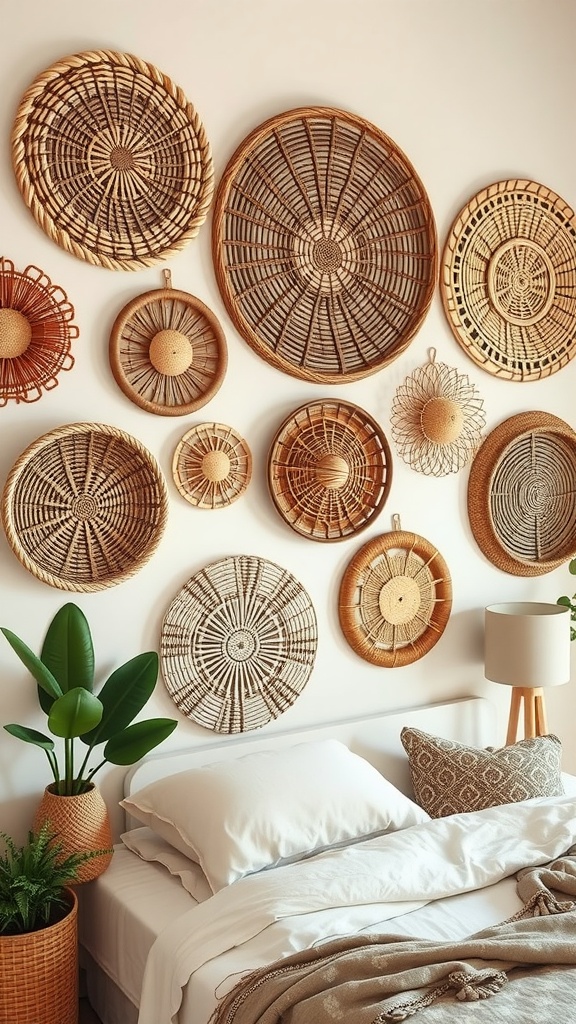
[112,160]
[238,644]
[324,245]
[522,494]
[212,465]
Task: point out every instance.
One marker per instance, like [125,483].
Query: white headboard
[376,737]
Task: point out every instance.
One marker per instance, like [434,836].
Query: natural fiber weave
[329,470]
[112,160]
[212,465]
[437,417]
[522,494]
[36,332]
[509,280]
[238,644]
[39,973]
[324,245]
[168,352]
[81,823]
[395,599]
[84,507]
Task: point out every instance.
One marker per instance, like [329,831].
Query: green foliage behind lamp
[570,602]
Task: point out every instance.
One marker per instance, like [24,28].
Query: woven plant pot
[39,973]
[82,823]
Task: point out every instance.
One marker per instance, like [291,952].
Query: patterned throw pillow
[449,777]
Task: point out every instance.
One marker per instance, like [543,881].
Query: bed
[298,876]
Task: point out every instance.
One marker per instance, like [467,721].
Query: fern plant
[570,602]
[33,881]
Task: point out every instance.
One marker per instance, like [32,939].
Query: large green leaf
[21,732]
[68,651]
[129,746]
[37,669]
[124,694]
[74,713]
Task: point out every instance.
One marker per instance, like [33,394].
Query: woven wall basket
[35,333]
[84,507]
[167,351]
[112,160]
[522,494]
[508,280]
[329,470]
[395,599]
[212,465]
[324,245]
[238,644]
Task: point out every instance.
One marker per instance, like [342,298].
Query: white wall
[473,91]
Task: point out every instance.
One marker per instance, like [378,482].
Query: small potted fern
[38,930]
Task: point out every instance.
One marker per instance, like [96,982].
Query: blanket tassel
[469,988]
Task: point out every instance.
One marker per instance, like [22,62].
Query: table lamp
[527,647]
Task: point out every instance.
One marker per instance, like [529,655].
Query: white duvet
[353,888]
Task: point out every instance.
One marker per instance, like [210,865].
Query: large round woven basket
[168,352]
[238,644]
[522,494]
[395,599]
[112,160]
[324,245]
[508,280]
[84,506]
[329,470]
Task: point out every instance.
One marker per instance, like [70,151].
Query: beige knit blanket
[371,979]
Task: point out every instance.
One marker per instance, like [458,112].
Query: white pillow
[239,816]
[149,846]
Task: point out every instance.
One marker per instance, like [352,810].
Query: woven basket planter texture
[82,823]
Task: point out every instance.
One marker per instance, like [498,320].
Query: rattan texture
[82,823]
[112,160]
[329,470]
[522,494]
[395,599]
[238,644]
[167,351]
[212,465]
[36,333]
[324,245]
[39,973]
[437,418]
[508,281]
[84,507]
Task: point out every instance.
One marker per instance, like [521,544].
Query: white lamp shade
[527,644]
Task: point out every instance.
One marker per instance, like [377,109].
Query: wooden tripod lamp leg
[534,713]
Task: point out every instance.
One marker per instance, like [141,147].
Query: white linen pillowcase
[150,847]
[239,816]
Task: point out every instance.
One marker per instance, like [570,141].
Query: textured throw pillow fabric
[450,778]
[239,816]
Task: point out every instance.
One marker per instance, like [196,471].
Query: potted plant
[38,930]
[570,602]
[83,720]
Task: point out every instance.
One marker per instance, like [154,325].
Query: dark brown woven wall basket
[522,494]
[324,245]
[112,160]
[238,644]
[395,599]
[84,507]
[329,470]
[508,280]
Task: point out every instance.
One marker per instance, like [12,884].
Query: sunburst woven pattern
[36,332]
[329,470]
[324,245]
[112,160]
[395,599]
[238,644]
[168,353]
[212,465]
[437,417]
[84,507]
[522,494]
[509,280]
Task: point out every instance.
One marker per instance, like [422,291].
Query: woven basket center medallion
[122,159]
[332,471]
[241,645]
[170,353]
[15,334]
[327,255]
[324,254]
[85,506]
[521,282]
[399,600]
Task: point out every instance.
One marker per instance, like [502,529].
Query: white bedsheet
[275,912]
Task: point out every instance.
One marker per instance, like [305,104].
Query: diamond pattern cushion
[450,778]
